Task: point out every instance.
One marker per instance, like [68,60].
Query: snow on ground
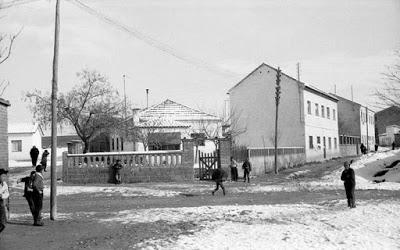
[329,182]
[328,225]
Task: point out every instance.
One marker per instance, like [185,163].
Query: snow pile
[298,174]
[328,225]
[122,190]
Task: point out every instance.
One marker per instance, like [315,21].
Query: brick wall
[3,134]
[130,174]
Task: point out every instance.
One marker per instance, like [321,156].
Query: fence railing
[168,158]
[255,152]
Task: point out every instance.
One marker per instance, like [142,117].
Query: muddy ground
[78,225]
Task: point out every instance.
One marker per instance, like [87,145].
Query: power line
[153,42]
[16,3]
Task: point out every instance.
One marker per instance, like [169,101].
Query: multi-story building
[307,116]
[356,126]
[386,139]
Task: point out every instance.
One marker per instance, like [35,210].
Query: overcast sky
[342,42]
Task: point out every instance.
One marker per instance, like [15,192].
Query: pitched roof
[63,130]
[4,102]
[24,128]
[171,110]
[308,87]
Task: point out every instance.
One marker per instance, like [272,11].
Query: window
[112,144]
[324,142]
[335,142]
[329,143]
[322,111]
[310,141]
[318,140]
[309,107]
[122,144]
[328,115]
[333,114]
[117,143]
[316,109]
[341,139]
[16,146]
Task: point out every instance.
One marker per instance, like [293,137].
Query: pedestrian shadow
[20,222]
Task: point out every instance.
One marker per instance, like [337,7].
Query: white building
[321,125]
[367,124]
[386,139]
[162,127]
[307,116]
[21,138]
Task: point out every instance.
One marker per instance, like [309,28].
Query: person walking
[246,169]
[349,179]
[28,190]
[34,155]
[4,194]
[234,171]
[218,176]
[43,162]
[38,196]
[117,171]
[393,145]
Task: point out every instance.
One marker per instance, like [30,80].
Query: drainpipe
[366,116]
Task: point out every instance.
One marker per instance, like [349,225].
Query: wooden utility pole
[124,96]
[147,98]
[53,188]
[277,97]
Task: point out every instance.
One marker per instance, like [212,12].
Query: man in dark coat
[34,155]
[246,169]
[349,179]
[393,146]
[38,196]
[28,190]
[117,171]
[218,176]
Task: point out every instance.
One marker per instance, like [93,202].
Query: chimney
[135,115]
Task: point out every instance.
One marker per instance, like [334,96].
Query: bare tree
[6,44]
[389,95]
[148,133]
[93,106]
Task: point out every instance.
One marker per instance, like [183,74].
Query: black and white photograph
[199,124]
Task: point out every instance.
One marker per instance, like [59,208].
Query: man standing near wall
[246,169]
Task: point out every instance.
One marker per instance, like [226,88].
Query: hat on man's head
[3,171]
[39,168]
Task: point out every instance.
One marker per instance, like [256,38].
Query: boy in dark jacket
[43,162]
[117,172]
[246,169]
[218,176]
[28,190]
[349,179]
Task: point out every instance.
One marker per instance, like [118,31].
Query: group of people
[219,174]
[35,155]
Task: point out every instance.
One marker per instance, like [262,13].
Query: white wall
[367,124]
[28,140]
[318,126]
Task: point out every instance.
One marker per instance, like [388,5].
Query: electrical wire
[15,3]
[153,42]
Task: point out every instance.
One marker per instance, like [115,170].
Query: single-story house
[21,138]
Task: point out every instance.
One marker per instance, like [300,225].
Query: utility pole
[53,174]
[298,72]
[147,98]
[123,76]
[277,97]
[352,93]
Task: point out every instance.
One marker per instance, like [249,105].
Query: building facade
[386,117]
[21,138]
[163,126]
[4,104]
[356,126]
[321,125]
[387,138]
[307,116]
